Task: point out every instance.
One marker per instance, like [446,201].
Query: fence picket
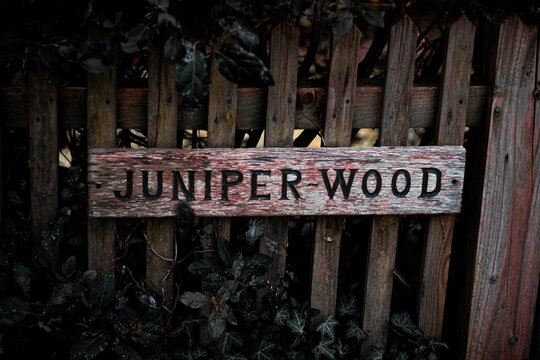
[338,122]
[101,125]
[505,281]
[451,119]
[395,117]
[43,129]
[280,111]
[162,123]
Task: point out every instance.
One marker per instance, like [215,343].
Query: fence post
[450,124]
[162,125]
[393,131]
[101,130]
[340,100]
[43,129]
[507,265]
[279,132]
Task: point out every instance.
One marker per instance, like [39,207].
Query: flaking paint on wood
[107,170]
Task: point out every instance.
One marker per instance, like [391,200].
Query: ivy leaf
[227,340]
[216,324]
[401,356]
[207,236]
[325,348]
[259,261]
[255,230]
[264,351]
[89,346]
[375,353]
[188,325]
[373,17]
[194,300]
[281,317]
[354,331]
[23,277]
[326,328]
[296,323]
[225,251]
[126,353]
[347,307]
[402,321]
[295,355]
[242,66]
[147,300]
[235,357]
[203,266]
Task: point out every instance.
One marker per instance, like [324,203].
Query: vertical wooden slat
[337,132]
[395,117]
[162,123]
[284,44]
[452,113]
[101,122]
[222,115]
[507,267]
[43,129]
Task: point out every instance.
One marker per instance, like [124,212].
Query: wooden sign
[276,182]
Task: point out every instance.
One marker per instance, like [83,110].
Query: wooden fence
[502,190]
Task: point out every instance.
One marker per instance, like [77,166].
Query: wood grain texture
[133,108]
[101,125]
[506,273]
[337,131]
[162,122]
[43,148]
[311,195]
[279,131]
[395,122]
[450,128]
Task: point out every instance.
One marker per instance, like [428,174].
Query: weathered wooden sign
[276,181]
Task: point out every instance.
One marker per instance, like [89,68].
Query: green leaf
[402,322]
[401,356]
[126,353]
[217,321]
[259,261]
[203,266]
[295,355]
[239,30]
[23,277]
[373,17]
[342,22]
[173,49]
[354,331]
[325,348]
[227,341]
[136,35]
[255,230]
[225,251]
[188,325]
[13,310]
[281,317]
[93,65]
[242,66]
[375,353]
[89,346]
[296,323]
[194,300]
[227,289]
[264,351]
[207,236]
[346,306]
[237,265]
[326,328]
[237,356]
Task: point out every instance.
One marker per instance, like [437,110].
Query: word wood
[276,182]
